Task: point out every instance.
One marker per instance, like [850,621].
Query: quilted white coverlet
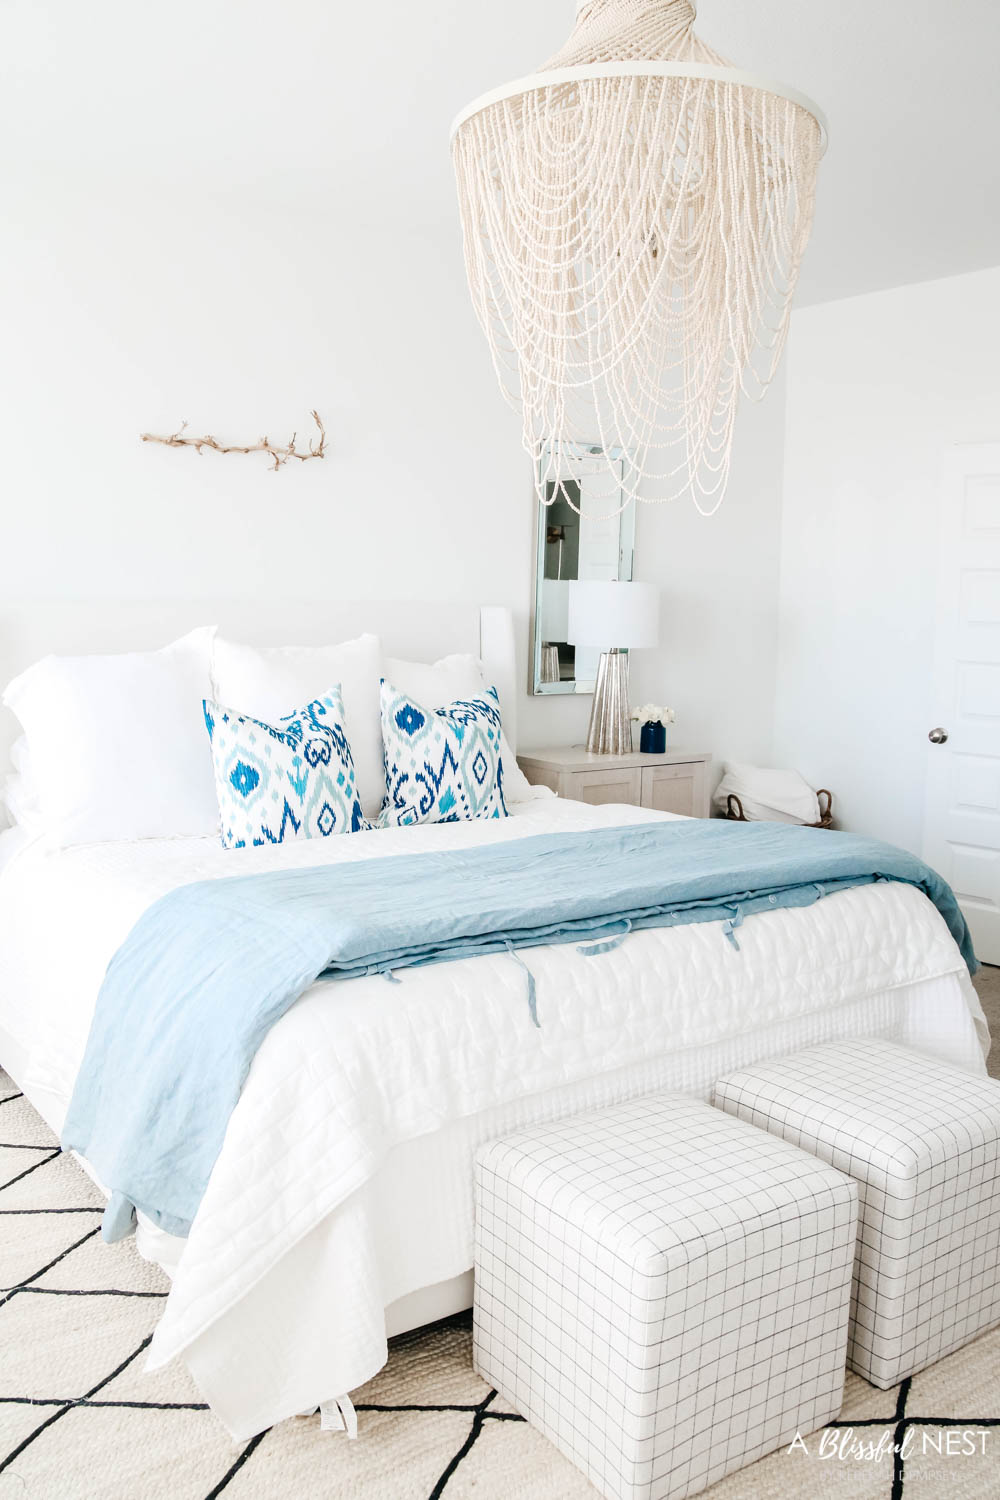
[357,1073]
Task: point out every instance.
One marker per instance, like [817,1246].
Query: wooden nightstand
[676,781]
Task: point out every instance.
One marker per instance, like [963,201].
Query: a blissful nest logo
[849,1446]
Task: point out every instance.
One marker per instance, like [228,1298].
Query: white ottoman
[922,1141]
[662,1291]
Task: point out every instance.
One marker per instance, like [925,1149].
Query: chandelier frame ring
[713,74]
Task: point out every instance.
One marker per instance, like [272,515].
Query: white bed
[340,1206]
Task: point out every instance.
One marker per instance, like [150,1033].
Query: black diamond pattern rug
[79,1420]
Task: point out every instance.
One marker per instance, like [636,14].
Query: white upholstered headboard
[420,632]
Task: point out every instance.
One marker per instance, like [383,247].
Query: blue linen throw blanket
[210,967]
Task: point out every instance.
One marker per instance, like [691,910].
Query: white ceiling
[910,187]
[351,102]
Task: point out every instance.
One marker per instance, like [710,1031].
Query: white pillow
[117,743]
[270,683]
[445,681]
[768,796]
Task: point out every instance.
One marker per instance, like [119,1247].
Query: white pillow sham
[271,682]
[117,743]
[445,681]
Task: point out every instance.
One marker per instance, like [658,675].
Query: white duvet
[345,1178]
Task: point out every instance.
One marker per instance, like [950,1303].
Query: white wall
[878,386]
[719,576]
[129,306]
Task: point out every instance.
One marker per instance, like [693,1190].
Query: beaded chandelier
[634,217]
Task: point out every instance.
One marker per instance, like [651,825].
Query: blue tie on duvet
[208,969]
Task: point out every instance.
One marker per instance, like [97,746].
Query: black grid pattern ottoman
[662,1291]
[922,1141]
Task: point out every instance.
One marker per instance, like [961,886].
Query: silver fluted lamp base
[610,730]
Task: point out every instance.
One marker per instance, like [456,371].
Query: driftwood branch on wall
[316,449]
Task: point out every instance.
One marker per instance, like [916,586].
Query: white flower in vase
[653,719]
[652,713]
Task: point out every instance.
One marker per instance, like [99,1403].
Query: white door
[962,824]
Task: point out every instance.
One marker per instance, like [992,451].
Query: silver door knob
[938,736]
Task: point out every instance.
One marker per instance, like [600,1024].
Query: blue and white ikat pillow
[292,781]
[442,765]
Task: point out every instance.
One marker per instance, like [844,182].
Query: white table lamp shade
[614,615]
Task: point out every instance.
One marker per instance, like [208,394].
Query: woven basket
[735,813]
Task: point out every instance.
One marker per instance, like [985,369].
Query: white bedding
[344,1181]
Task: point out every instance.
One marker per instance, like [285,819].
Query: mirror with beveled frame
[577,536]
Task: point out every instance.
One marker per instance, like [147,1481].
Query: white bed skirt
[399,1252]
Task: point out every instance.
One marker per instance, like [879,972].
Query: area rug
[79,1420]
